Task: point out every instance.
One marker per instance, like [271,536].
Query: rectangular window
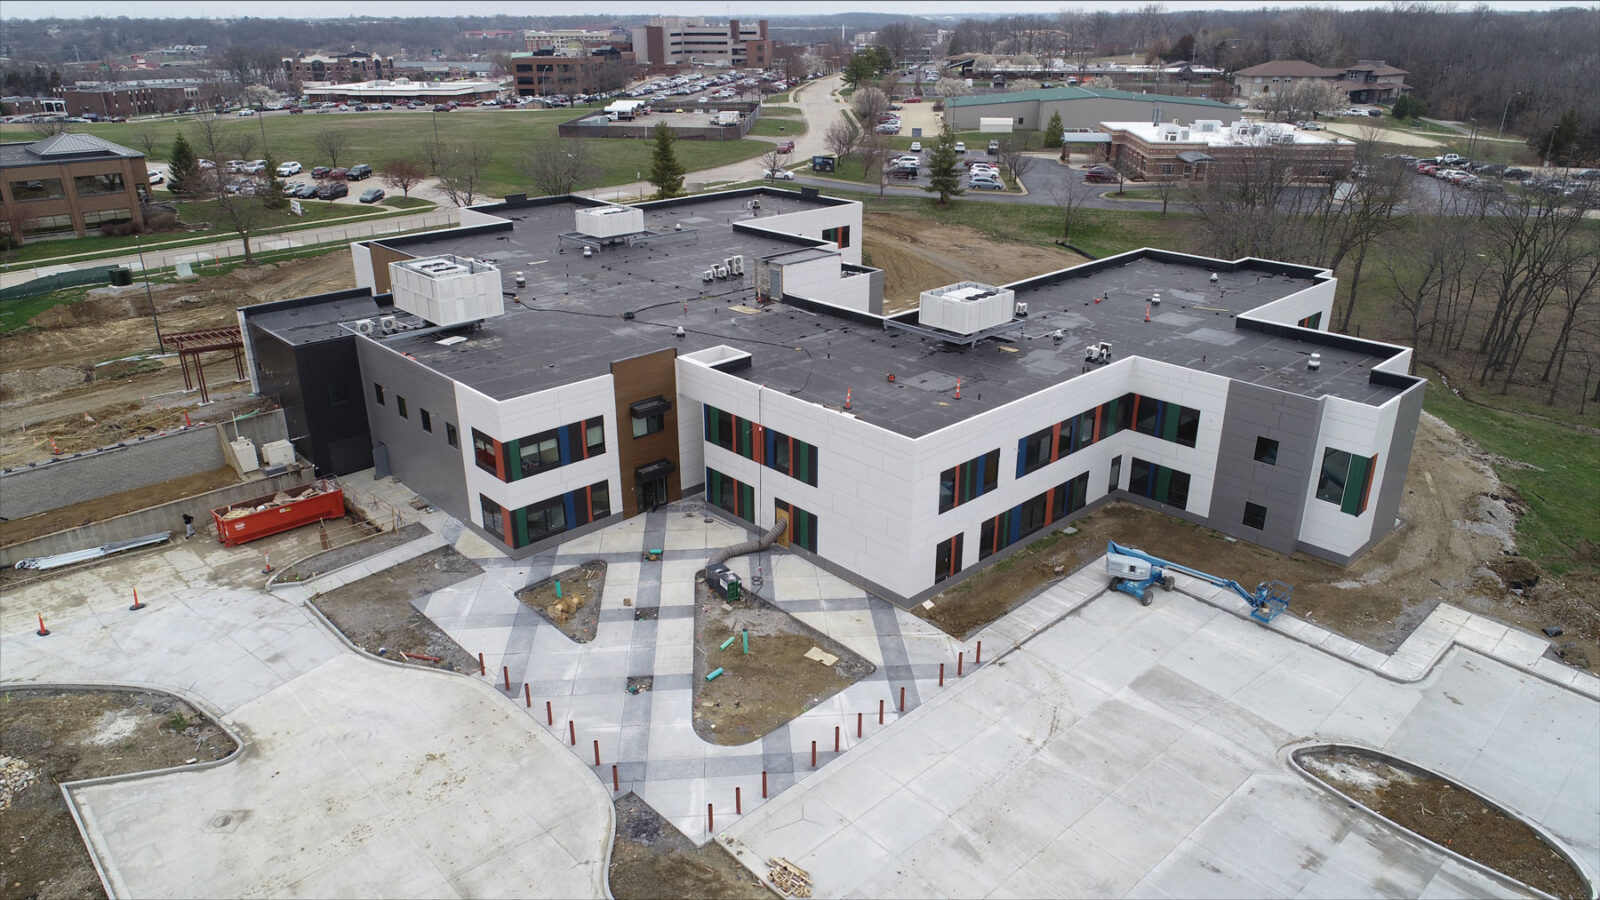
[110,183]
[1255,516]
[377,393]
[427,419]
[1311,321]
[651,424]
[97,217]
[971,479]
[1266,451]
[537,453]
[546,518]
[493,517]
[595,436]
[1346,479]
[1159,483]
[773,449]
[1116,472]
[947,559]
[486,451]
[1188,429]
[840,235]
[37,189]
[802,525]
[450,436]
[730,496]
[400,406]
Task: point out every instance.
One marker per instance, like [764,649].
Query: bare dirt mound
[651,859]
[916,255]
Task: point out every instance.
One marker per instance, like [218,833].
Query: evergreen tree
[666,173]
[182,167]
[1560,141]
[1054,132]
[861,68]
[1408,107]
[944,172]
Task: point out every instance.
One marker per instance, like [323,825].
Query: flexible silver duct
[760,543]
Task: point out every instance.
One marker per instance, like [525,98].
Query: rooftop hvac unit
[609,221]
[736,264]
[966,307]
[388,324]
[364,326]
[447,290]
[722,273]
[708,275]
[1022,309]
[1315,362]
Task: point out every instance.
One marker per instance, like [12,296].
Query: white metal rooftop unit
[448,289]
[607,222]
[966,307]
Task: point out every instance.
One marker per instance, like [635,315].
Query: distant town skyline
[715,9]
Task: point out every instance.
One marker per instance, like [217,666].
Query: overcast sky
[715,9]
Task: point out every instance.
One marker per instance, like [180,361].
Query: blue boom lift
[1136,574]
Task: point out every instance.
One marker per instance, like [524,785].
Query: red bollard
[527,695]
[616,786]
[960,659]
[836,739]
[738,802]
[482,670]
[136,604]
[572,732]
[549,716]
[977,658]
[858,725]
[710,827]
[42,630]
[763,784]
[902,699]
[505,672]
[813,754]
[597,753]
[880,712]
[941,674]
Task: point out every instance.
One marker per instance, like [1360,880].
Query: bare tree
[403,175]
[771,162]
[842,138]
[1014,157]
[461,170]
[240,206]
[46,128]
[1357,212]
[1578,297]
[1301,100]
[875,153]
[333,142]
[1070,196]
[147,139]
[898,38]
[558,167]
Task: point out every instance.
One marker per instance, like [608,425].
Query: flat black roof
[568,323]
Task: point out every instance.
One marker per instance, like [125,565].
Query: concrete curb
[67,787]
[1291,753]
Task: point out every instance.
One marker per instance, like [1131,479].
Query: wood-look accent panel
[641,378]
[381,258]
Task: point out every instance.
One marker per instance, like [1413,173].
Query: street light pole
[1505,112]
[139,241]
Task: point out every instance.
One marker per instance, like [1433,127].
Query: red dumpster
[242,522]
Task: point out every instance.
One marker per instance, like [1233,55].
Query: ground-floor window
[1159,483]
[802,525]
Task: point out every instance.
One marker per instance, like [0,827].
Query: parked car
[913,100]
[290,188]
[889,128]
[1515,174]
[289,168]
[247,111]
[440,107]
[916,146]
[785,146]
[371,195]
[1100,175]
[320,172]
[156,177]
[296,111]
[1308,126]
[205,164]
[306,191]
[338,174]
[986,184]
[994,147]
[961,146]
[1374,113]
[779,174]
[333,190]
[358,172]
[387,106]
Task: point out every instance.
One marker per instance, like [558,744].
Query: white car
[961,146]
[916,146]
[247,111]
[289,168]
[779,174]
[156,177]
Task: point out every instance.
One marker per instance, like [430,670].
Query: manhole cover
[226,821]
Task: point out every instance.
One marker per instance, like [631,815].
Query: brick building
[70,183]
[339,68]
[1170,151]
[111,99]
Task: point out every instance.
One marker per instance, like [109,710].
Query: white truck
[726,117]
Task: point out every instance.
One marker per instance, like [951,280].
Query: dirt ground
[1447,814]
[916,255]
[577,611]
[376,612]
[57,362]
[651,860]
[18,530]
[775,682]
[1456,530]
[365,542]
[53,736]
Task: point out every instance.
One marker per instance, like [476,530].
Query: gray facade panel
[424,461]
[1240,479]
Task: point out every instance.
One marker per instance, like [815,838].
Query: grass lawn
[1561,486]
[770,127]
[778,98]
[407,202]
[14,314]
[378,137]
[784,112]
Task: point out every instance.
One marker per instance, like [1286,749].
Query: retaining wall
[166,517]
[129,466]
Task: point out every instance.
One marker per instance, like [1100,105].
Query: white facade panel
[361,260]
[812,223]
[1358,429]
[1300,305]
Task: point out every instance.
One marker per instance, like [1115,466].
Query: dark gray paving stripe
[896,661]
[776,755]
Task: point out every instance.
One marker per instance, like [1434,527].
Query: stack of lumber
[789,878]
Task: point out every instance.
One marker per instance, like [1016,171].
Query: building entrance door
[652,493]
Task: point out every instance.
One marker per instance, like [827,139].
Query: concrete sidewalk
[358,777]
[1143,752]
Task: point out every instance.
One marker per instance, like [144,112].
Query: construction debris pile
[789,878]
[15,776]
[281,498]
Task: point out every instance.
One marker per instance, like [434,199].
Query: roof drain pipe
[759,544]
